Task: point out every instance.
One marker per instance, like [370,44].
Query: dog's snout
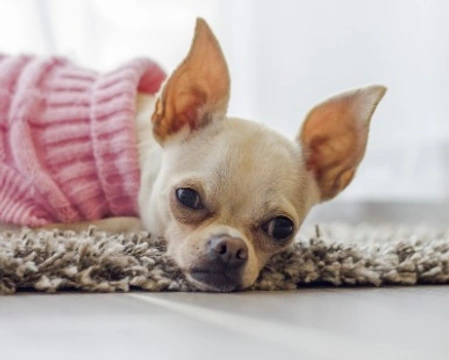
[222,267]
[230,250]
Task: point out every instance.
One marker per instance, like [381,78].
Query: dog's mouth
[213,280]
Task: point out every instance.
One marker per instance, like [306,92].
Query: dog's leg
[112,225]
[9,227]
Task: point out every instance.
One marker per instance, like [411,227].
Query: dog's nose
[229,250]
[222,268]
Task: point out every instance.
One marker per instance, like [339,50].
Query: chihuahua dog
[227,193]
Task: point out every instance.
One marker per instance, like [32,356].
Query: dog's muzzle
[223,266]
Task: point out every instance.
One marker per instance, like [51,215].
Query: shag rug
[332,254]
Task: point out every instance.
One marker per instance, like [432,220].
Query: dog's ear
[198,90]
[334,137]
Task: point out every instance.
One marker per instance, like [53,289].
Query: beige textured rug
[335,255]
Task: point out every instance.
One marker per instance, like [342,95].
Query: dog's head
[231,193]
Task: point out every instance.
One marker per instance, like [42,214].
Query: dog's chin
[212,281]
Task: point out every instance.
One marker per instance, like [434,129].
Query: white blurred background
[284,57]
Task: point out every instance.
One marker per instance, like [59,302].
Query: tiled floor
[388,323]
[311,323]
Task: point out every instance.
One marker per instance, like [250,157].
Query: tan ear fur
[334,137]
[197,91]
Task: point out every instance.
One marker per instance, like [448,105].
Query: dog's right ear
[197,92]
[334,137]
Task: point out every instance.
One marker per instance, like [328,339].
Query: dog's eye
[189,198]
[279,228]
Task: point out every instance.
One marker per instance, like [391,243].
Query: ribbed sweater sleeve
[68,147]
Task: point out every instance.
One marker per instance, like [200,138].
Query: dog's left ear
[334,137]
[197,92]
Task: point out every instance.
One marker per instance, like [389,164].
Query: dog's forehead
[247,164]
[256,149]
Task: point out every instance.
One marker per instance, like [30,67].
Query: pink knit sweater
[68,147]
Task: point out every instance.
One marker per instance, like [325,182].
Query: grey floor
[311,323]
